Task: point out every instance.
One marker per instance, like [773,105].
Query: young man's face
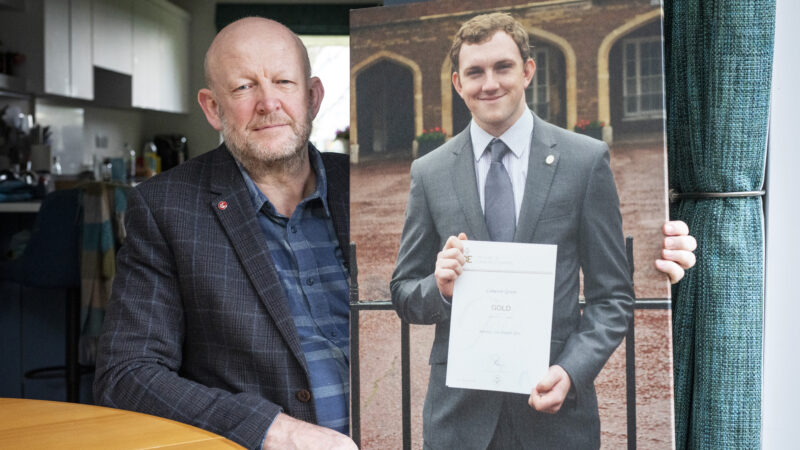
[492,78]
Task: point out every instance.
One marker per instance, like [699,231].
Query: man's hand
[549,394]
[677,251]
[449,264]
[289,433]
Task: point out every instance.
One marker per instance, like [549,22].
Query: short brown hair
[481,28]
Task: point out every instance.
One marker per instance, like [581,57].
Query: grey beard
[257,162]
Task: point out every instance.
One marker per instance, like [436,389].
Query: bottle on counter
[96,174]
[152,161]
[106,170]
[130,156]
[55,168]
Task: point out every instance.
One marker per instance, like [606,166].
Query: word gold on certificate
[501,317]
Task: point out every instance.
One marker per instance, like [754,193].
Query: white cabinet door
[57,77]
[81,72]
[176,58]
[68,48]
[160,56]
[112,35]
[147,61]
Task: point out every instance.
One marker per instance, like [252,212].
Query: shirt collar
[517,138]
[320,190]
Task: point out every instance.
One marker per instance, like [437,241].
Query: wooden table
[44,424]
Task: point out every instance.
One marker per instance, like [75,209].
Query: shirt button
[310,281]
[294,229]
[333,334]
[303,395]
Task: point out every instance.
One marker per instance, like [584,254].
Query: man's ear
[528,68]
[457,83]
[210,107]
[316,92]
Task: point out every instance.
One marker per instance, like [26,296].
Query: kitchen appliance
[172,149]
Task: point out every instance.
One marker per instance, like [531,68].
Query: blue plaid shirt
[310,265]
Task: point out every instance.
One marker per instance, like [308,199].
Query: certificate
[501,317]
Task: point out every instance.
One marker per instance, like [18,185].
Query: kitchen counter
[20,207]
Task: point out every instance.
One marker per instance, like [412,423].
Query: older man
[230,309]
[511,176]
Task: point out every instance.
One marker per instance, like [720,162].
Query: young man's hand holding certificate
[501,317]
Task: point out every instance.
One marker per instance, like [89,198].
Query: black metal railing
[355,373]
[356,306]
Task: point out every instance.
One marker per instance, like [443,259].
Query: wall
[22,32]
[780,395]
[83,133]
[118,126]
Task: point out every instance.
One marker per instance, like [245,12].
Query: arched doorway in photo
[385,110]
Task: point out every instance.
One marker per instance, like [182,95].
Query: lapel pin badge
[549,160]
[222,205]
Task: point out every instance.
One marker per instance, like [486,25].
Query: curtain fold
[718,72]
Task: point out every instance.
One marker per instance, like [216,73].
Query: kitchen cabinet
[67,48]
[177,55]
[146,89]
[144,43]
[112,35]
[81,55]
[160,56]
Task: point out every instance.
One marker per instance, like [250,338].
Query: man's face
[491,79]
[263,101]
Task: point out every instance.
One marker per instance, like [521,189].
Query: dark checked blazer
[570,200]
[198,328]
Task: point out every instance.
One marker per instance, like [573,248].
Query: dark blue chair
[52,260]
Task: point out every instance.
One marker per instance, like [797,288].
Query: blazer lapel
[337,172]
[541,169]
[232,204]
[465,186]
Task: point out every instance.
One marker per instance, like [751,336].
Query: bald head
[238,35]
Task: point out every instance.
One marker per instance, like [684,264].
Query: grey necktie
[498,196]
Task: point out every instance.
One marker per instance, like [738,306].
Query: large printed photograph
[598,72]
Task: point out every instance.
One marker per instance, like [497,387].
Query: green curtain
[719,67]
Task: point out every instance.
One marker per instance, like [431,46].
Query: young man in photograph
[510,176]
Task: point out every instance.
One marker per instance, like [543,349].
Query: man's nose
[490,82]
[268,100]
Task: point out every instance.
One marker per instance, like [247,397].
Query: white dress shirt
[518,139]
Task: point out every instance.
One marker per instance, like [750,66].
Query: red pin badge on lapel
[222,205]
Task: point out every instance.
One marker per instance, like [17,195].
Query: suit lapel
[337,172]
[465,186]
[541,169]
[239,221]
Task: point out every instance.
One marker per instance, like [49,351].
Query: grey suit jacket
[572,203]
[198,328]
